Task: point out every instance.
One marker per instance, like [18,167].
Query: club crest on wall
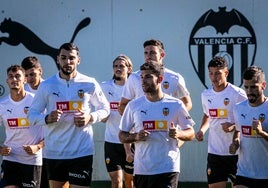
[225,34]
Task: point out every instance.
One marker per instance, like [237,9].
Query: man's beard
[253,98]
[67,73]
[117,78]
[149,89]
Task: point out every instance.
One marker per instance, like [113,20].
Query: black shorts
[220,168]
[44,179]
[21,175]
[115,158]
[77,171]
[251,183]
[157,180]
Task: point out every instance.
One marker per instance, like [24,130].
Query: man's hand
[129,153]
[81,118]
[199,136]
[53,116]
[173,132]
[234,147]
[256,125]
[228,127]
[4,150]
[31,149]
[142,135]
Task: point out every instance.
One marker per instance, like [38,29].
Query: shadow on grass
[107,184]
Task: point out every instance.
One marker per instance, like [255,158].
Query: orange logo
[165,85]
[26,109]
[80,93]
[226,101]
[262,117]
[165,111]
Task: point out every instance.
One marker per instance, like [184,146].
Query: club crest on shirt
[80,93]
[165,85]
[107,160]
[262,117]
[26,109]
[165,111]
[226,101]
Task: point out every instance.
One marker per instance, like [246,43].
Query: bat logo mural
[20,34]
[226,34]
[2,90]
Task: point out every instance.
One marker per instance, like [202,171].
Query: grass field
[106,184]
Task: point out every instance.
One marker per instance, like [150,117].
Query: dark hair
[219,62]
[127,61]
[30,62]
[254,72]
[154,66]
[69,46]
[14,68]
[153,42]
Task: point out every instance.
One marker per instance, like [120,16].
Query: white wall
[121,26]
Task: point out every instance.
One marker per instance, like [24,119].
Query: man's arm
[101,105]
[187,102]
[122,105]
[126,137]
[32,149]
[129,153]
[256,124]
[203,128]
[236,143]
[105,119]
[185,134]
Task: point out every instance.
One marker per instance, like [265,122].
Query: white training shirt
[173,84]
[159,153]
[19,131]
[64,140]
[113,93]
[253,152]
[219,107]
[27,87]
